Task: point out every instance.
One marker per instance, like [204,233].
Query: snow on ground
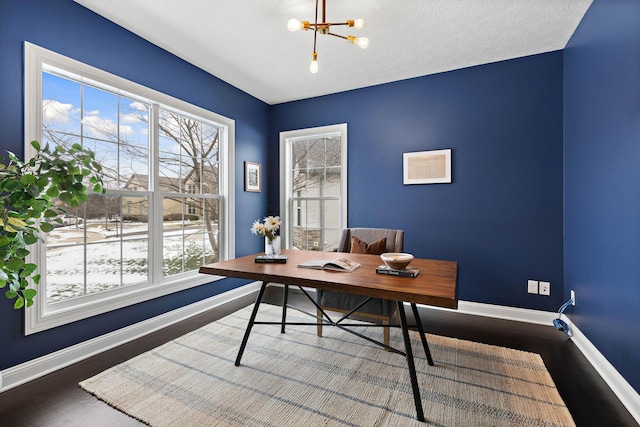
[106,248]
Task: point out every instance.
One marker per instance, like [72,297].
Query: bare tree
[197,162]
[311,160]
[191,166]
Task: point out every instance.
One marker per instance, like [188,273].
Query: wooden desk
[435,285]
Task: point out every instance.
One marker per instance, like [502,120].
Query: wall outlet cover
[545,288]
[532,286]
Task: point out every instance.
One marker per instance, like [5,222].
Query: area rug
[299,379]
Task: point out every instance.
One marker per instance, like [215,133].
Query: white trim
[537,317]
[285,176]
[20,374]
[620,387]
[42,316]
[37,320]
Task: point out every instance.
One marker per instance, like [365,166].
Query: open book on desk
[338,264]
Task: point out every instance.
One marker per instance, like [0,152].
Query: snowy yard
[116,257]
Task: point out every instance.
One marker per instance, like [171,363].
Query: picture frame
[427,167]
[252,177]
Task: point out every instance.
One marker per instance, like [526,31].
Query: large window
[168,205]
[314,187]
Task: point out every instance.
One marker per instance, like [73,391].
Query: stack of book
[407,272]
[271,259]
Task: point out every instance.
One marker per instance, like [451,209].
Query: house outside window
[314,188]
[169,203]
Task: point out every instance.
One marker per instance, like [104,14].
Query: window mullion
[155,233]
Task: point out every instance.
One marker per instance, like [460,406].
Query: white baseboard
[502,312]
[20,374]
[33,369]
[621,388]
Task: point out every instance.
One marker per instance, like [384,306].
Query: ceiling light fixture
[324,27]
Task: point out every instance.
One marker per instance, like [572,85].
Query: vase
[272,247]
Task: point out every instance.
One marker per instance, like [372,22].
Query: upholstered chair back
[395,238]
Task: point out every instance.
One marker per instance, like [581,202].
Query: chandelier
[324,27]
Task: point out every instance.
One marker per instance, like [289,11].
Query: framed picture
[252,177]
[427,167]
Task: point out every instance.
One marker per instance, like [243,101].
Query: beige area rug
[298,379]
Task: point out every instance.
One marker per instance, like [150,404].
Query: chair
[377,309]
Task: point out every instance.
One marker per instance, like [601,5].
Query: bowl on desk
[396,260]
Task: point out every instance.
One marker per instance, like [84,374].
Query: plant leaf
[29,293]
[46,227]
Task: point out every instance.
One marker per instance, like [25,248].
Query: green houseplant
[30,196]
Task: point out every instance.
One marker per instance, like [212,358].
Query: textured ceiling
[246,42]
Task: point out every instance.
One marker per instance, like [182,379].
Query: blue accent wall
[602,180]
[501,217]
[67,28]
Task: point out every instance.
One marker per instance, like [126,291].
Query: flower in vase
[268,228]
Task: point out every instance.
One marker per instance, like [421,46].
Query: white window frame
[42,316]
[285,176]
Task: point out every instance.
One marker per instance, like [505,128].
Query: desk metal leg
[412,367]
[250,325]
[422,335]
[284,307]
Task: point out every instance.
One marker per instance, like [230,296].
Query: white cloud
[54,111]
[134,118]
[60,114]
[138,106]
[99,127]
[139,114]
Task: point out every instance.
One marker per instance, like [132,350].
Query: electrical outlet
[573,297]
[532,286]
[545,288]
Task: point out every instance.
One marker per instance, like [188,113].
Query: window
[313,194]
[169,202]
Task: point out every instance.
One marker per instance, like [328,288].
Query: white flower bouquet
[268,228]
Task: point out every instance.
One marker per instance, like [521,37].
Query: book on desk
[337,264]
[271,259]
[407,272]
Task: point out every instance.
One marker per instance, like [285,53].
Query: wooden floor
[57,400]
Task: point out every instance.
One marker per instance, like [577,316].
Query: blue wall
[501,218]
[602,180]
[69,29]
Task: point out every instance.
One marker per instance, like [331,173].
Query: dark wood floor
[57,400]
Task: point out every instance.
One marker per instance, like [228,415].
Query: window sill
[41,317]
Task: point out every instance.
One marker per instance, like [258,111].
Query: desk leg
[251,320]
[412,367]
[422,335]
[284,307]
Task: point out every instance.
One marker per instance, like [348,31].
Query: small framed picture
[427,167]
[252,177]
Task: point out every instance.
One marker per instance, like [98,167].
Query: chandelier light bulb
[313,67]
[324,28]
[363,42]
[294,25]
